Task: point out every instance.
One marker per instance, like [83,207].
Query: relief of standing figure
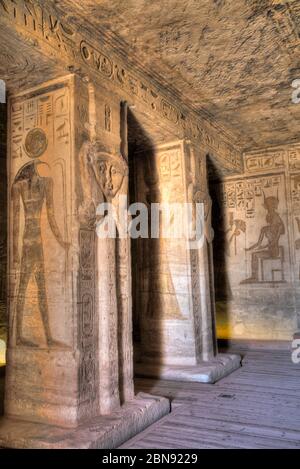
[33,189]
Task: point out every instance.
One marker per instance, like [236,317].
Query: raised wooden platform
[257,406]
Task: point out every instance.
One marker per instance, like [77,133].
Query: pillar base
[104,432]
[205,372]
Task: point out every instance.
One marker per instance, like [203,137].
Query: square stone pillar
[69,358]
[177,312]
[3,225]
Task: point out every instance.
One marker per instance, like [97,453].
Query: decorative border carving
[44,25]
[265,161]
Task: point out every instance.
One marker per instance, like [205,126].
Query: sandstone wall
[257,285]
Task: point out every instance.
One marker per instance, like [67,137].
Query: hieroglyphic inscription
[196,296]
[87,326]
[294,159]
[241,195]
[17,129]
[42,23]
[170,166]
[265,162]
[32,123]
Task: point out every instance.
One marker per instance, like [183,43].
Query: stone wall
[256,218]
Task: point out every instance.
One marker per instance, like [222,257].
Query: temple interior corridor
[150,224]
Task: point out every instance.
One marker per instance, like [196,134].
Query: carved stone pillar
[178,337]
[70,340]
[3,224]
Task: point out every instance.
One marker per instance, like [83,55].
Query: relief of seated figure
[272,233]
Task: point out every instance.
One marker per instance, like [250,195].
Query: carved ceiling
[233,60]
[23,69]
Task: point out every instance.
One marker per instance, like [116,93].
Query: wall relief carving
[34,190]
[38,182]
[260,261]
[272,250]
[87,315]
[104,178]
[160,178]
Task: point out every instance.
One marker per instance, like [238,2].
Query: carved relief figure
[104,178]
[108,171]
[34,190]
[108,118]
[236,227]
[272,233]
[204,198]
[162,299]
[202,265]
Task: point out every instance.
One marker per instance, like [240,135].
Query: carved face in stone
[271,203]
[110,172]
[33,171]
[203,197]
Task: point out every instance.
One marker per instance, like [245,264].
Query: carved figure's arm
[15,193]
[51,216]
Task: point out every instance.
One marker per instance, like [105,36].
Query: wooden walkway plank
[257,406]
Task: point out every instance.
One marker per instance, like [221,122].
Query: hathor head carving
[109,169]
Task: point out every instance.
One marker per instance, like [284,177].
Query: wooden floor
[258,406]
